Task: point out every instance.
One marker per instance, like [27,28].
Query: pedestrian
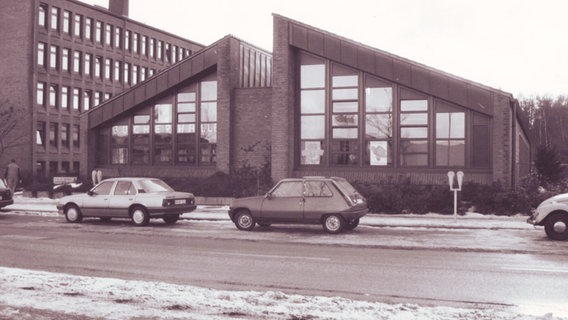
[12,175]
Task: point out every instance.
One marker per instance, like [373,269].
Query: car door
[285,203]
[96,203]
[318,200]
[123,196]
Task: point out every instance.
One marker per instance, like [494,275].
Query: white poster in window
[378,153]
[312,152]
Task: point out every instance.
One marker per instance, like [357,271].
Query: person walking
[12,175]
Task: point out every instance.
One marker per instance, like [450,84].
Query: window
[66,22]
[208,122]
[135,43]
[127,40]
[54,18]
[186,122]
[108,68]
[40,94]
[152,48]
[118,37]
[134,78]
[287,189]
[65,59]
[89,29]
[64,97]
[480,141]
[103,188]
[53,96]
[126,77]
[53,57]
[143,47]
[77,62]
[42,15]
[75,137]
[119,144]
[53,134]
[141,139]
[78,28]
[86,100]
[312,111]
[40,134]
[414,133]
[99,32]
[317,189]
[41,54]
[76,97]
[378,123]
[87,68]
[124,188]
[117,70]
[159,50]
[142,73]
[108,35]
[97,98]
[163,133]
[450,136]
[345,116]
[65,135]
[98,67]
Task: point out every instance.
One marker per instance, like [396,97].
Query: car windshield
[154,185]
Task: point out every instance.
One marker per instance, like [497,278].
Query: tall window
[163,133]
[126,77]
[40,134]
[86,100]
[159,50]
[152,48]
[89,29]
[378,122]
[134,78]
[141,139]
[41,54]
[143,44]
[65,133]
[414,133]
[53,134]
[64,97]
[135,43]
[108,35]
[88,62]
[65,59]
[450,136]
[76,137]
[53,96]
[77,62]
[118,37]
[127,34]
[98,67]
[186,122]
[40,94]
[76,98]
[312,111]
[108,68]
[99,32]
[208,121]
[117,70]
[119,144]
[345,116]
[67,22]
[53,57]
[54,18]
[42,15]
[78,27]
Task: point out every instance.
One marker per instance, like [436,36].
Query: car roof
[130,179]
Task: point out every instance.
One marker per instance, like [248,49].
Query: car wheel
[171,218]
[556,226]
[73,214]
[244,220]
[352,224]
[333,223]
[140,216]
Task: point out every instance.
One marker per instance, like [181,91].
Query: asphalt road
[215,254]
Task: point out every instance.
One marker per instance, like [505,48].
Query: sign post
[451,176]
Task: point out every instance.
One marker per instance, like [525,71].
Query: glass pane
[412,119]
[186,96]
[119,155]
[450,153]
[345,94]
[317,189]
[345,133]
[413,105]
[378,99]
[142,119]
[313,127]
[209,132]
[209,111]
[312,152]
[378,153]
[163,133]
[140,129]
[120,134]
[163,154]
[208,90]
[345,107]
[345,81]
[378,125]
[414,160]
[163,113]
[140,155]
[186,107]
[450,125]
[313,101]
[414,132]
[410,146]
[288,189]
[186,117]
[312,76]
[186,154]
[345,120]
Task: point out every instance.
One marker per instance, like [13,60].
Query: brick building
[319,104]
[60,58]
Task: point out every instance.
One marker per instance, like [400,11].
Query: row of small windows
[65,21]
[68,98]
[55,136]
[349,119]
[90,65]
[52,168]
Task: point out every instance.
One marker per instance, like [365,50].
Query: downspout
[514,106]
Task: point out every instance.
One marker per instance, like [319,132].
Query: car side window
[124,188]
[103,188]
[288,189]
[317,189]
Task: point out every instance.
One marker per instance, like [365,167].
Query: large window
[41,54]
[344,116]
[40,134]
[378,122]
[208,122]
[119,144]
[40,94]
[54,18]
[78,27]
[141,139]
[312,111]
[163,133]
[42,15]
[53,135]
[450,136]
[413,133]
[186,124]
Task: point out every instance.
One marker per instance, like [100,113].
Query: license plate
[182,201]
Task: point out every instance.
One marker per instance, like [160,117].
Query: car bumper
[171,210]
[4,203]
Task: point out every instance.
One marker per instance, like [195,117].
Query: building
[59,59]
[319,104]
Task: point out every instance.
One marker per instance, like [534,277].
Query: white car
[552,213]
[136,198]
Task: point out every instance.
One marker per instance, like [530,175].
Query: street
[292,259]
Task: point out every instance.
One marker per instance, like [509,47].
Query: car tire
[171,218]
[333,223]
[556,226]
[73,214]
[140,216]
[244,220]
[352,224]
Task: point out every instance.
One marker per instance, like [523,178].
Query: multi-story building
[60,58]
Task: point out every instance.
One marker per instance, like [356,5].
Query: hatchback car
[552,213]
[332,202]
[139,199]
[6,196]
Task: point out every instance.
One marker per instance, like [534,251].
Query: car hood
[557,198]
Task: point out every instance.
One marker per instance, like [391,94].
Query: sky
[518,46]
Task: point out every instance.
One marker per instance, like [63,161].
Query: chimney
[118,7]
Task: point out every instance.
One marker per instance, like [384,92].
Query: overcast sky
[518,46]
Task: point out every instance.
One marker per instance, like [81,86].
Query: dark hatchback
[332,202]
[6,196]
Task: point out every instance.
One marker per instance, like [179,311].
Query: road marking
[268,256]
[535,269]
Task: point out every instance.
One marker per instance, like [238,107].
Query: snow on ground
[26,294]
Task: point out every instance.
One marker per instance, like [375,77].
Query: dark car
[6,196]
[136,198]
[332,202]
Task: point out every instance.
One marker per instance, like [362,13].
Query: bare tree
[10,118]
